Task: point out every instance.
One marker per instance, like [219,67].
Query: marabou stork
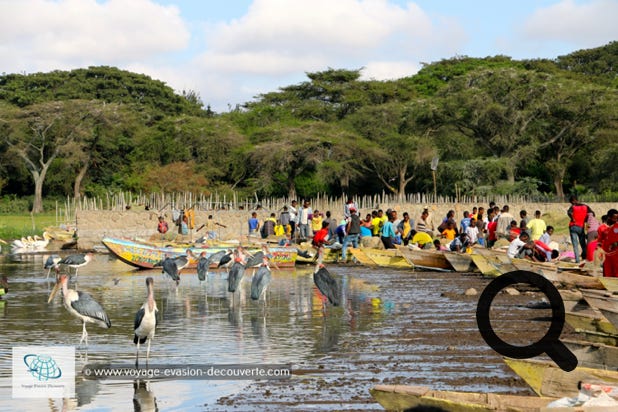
[261,280]
[77,261]
[145,321]
[236,272]
[325,282]
[51,263]
[256,259]
[81,305]
[226,260]
[202,266]
[170,268]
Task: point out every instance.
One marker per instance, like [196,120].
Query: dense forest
[540,127]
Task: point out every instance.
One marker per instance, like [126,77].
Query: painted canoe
[388,258]
[425,259]
[605,302]
[403,397]
[145,256]
[547,379]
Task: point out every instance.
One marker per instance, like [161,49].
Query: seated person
[460,243]
[320,238]
[422,239]
[450,232]
[438,246]
[520,247]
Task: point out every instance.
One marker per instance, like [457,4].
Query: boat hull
[402,397]
[428,259]
[145,256]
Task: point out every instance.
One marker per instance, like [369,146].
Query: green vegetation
[14,226]
[543,128]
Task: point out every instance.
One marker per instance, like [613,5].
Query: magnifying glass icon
[549,344]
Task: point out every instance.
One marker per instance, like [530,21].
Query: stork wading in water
[202,267]
[145,322]
[261,280]
[51,263]
[325,282]
[236,273]
[81,305]
[77,261]
[170,268]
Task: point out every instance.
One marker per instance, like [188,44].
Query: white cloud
[48,35]
[384,70]
[586,25]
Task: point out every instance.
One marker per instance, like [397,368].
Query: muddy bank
[422,332]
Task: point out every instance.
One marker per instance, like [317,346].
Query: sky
[231,51]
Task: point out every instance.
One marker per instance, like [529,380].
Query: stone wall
[94,225]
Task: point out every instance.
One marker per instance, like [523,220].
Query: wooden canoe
[556,274]
[605,302]
[461,262]
[547,379]
[389,258]
[486,268]
[425,259]
[611,284]
[402,397]
[593,355]
[145,256]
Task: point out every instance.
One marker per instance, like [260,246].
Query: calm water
[199,324]
[394,327]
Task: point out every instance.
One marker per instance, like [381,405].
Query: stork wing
[138,318]
[87,306]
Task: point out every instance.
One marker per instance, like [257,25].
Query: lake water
[393,327]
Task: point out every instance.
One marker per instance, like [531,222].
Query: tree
[574,115]
[40,133]
[402,140]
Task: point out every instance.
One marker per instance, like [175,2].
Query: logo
[549,343]
[42,367]
[43,372]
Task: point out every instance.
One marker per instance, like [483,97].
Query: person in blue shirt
[389,233]
[254,224]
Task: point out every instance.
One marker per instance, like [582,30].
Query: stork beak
[53,292]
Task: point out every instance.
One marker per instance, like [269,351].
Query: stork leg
[137,355]
[84,335]
[148,351]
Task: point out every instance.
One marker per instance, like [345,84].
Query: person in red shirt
[609,244]
[578,213]
[321,236]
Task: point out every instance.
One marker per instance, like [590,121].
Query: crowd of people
[525,237]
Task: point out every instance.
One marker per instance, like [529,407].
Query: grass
[15,226]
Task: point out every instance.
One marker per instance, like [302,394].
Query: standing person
[504,223]
[304,219]
[348,205]
[405,227]
[254,224]
[465,222]
[316,221]
[332,225]
[293,209]
[536,226]
[376,222]
[608,239]
[424,224]
[352,231]
[592,227]
[211,227]
[285,218]
[320,237]
[366,226]
[473,232]
[481,225]
[524,220]
[389,233]
[268,228]
[578,213]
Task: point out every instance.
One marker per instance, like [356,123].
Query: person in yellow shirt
[450,232]
[405,228]
[316,221]
[422,240]
[536,226]
[376,223]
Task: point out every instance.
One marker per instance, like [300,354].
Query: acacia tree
[574,115]
[497,108]
[401,137]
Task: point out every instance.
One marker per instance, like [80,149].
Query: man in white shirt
[292,209]
[520,247]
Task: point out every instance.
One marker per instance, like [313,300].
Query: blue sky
[231,51]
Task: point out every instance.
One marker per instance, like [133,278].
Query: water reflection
[200,322]
[144,399]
